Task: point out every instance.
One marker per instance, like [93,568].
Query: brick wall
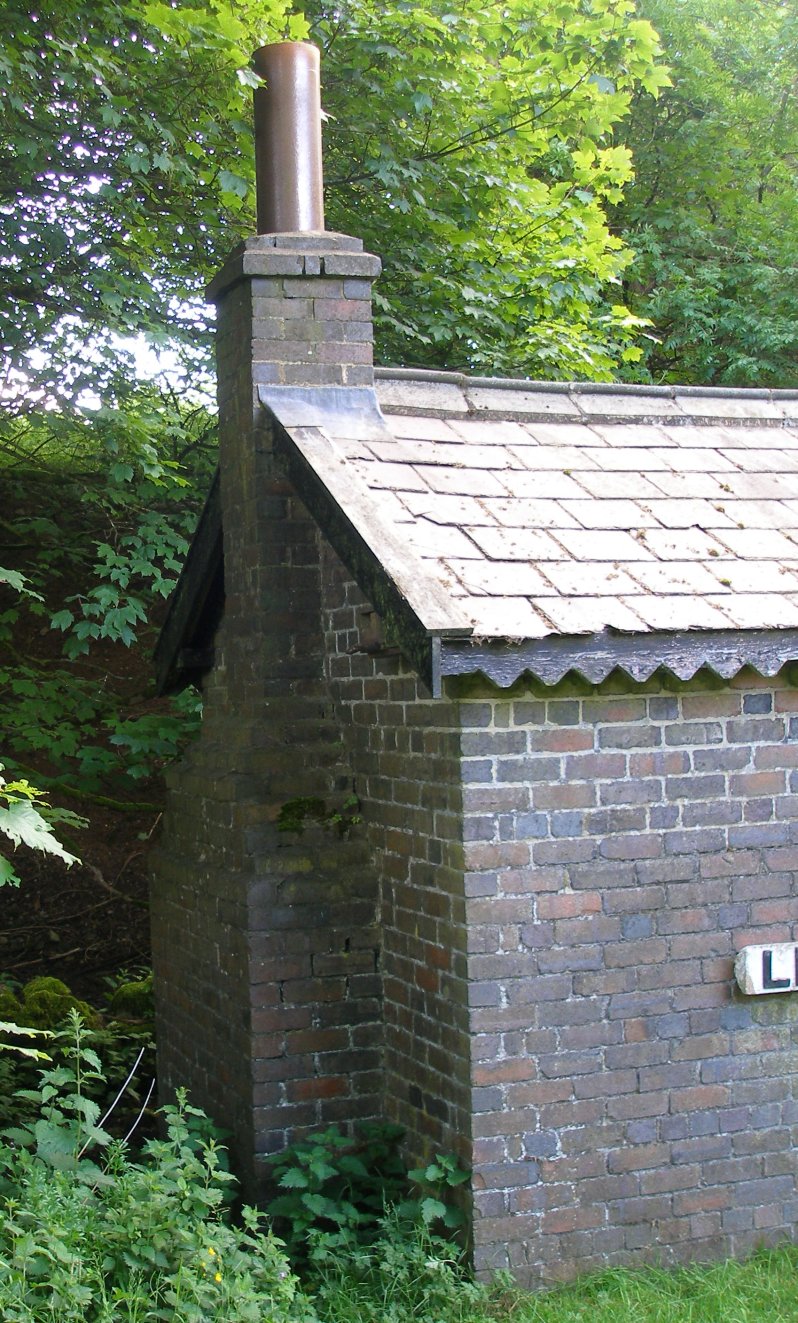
[264,941]
[524,951]
[403,748]
[622,843]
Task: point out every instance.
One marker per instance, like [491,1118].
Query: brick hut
[496,776]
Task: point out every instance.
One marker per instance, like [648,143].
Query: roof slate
[513,527]
[546,511]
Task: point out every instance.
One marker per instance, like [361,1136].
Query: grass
[763,1289]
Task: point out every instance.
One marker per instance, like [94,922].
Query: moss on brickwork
[295,813]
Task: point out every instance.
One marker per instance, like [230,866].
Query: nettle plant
[337,1191]
[375,1242]
[87,1233]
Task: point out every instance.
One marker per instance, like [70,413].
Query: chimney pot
[288,139]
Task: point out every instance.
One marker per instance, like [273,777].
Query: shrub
[105,1238]
[336,1192]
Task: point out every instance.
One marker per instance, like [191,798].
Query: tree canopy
[507,163]
[712,214]
[120,127]
[470,146]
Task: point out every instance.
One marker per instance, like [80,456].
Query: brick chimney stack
[272,933]
[305,305]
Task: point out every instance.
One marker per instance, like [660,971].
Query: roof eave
[682,653]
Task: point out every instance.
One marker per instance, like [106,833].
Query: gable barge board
[365,562]
[184,650]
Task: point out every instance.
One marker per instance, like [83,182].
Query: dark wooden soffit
[184,651]
[594,657]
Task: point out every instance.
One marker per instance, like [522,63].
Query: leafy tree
[121,125]
[101,526]
[471,146]
[712,212]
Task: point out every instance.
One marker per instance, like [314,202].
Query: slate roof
[547,527]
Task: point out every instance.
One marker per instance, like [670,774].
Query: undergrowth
[122,1033]
[340,1194]
[90,1233]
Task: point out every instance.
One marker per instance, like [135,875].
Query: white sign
[772,968]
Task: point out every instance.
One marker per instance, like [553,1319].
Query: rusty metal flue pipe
[288,139]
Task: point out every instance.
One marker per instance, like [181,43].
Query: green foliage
[435,1183]
[147,516]
[68,1120]
[79,728]
[712,213]
[472,148]
[12,1031]
[474,145]
[94,1238]
[336,1187]
[87,1233]
[115,522]
[27,818]
[407,1273]
[337,1191]
[125,1042]
[111,222]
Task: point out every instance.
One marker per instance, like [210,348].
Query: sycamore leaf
[8,878]
[297,28]
[234,184]
[18,582]
[22,1031]
[24,825]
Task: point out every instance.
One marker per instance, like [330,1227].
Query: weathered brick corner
[265,941]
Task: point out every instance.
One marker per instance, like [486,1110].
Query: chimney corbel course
[309,299]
